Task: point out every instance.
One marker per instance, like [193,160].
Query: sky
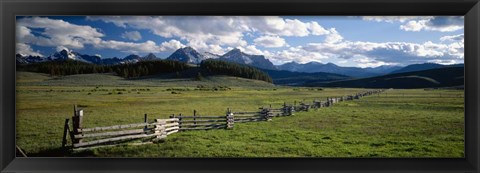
[353,41]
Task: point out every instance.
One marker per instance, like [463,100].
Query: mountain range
[191,56]
[313,67]
[93,59]
[186,54]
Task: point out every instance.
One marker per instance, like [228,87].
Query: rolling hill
[439,77]
[424,66]
[283,77]
[111,80]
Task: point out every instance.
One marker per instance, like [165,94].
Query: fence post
[159,129]
[291,110]
[230,119]
[267,113]
[180,120]
[195,117]
[295,105]
[65,131]
[77,121]
[145,119]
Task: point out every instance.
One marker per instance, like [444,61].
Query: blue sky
[359,41]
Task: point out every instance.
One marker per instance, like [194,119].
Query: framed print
[153,86]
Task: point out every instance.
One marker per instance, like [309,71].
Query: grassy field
[398,123]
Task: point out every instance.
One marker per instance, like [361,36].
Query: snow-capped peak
[188,55]
[208,55]
[64,54]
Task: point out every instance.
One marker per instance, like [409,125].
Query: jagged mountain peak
[237,56]
[188,48]
[150,56]
[131,56]
[235,51]
[187,55]
[208,55]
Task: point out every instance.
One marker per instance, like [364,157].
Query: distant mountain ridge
[313,67]
[431,78]
[424,66]
[283,77]
[185,54]
[93,59]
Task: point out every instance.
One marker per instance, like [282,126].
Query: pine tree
[199,77]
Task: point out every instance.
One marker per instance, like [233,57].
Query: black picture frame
[10,8]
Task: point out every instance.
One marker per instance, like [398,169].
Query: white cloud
[64,35]
[148,46]
[297,54]
[270,41]
[388,52]
[367,62]
[377,54]
[420,23]
[251,49]
[333,36]
[56,33]
[274,25]
[316,29]
[198,31]
[145,47]
[205,32]
[25,49]
[171,45]
[441,24]
[414,25]
[132,35]
[459,37]
[444,62]
[391,19]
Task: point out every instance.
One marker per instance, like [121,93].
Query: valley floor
[397,123]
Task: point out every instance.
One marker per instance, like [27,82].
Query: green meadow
[396,123]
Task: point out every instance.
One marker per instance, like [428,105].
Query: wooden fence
[197,122]
[161,128]
[89,137]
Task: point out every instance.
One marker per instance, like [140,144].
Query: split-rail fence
[84,138]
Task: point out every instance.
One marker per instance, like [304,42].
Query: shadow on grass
[60,152]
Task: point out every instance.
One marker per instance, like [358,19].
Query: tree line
[128,70]
[145,68]
[219,67]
